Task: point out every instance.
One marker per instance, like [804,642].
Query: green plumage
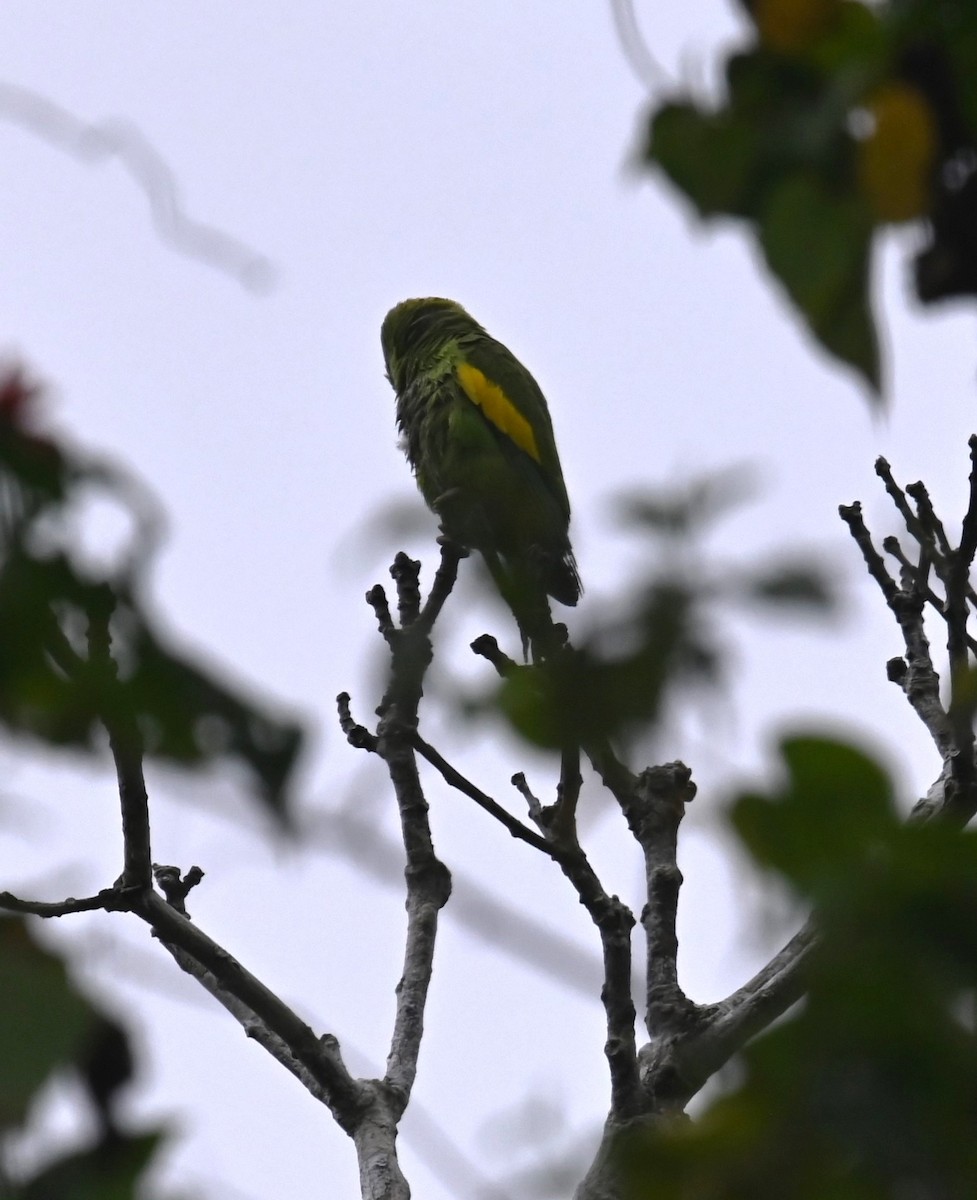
[478,435]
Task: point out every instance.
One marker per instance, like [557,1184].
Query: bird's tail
[528,601]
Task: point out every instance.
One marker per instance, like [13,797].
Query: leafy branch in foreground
[57,681]
[867,1090]
[839,118]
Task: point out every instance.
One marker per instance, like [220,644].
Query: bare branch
[316,1061]
[428,888]
[724,1028]
[113,899]
[175,885]
[406,574]
[488,648]
[951,728]
[614,922]
[568,790]
[851,514]
[125,742]
[919,681]
[253,1026]
[935,538]
[376,597]
[898,497]
[444,582]
[920,572]
[250,1001]
[654,815]
[428,880]
[619,780]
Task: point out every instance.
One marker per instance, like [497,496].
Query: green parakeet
[477,432]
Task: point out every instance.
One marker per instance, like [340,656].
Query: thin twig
[851,514]
[455,779]
[936,538]
[488,648]
[614,921]
[113,899]
[406,574]
[920,681]
[898,497]
[357,735]
[376,597]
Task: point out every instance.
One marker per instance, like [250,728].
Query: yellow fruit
[896,157]
[791,25]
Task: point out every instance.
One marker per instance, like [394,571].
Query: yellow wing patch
[498,408]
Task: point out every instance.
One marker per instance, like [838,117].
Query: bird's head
[415,332]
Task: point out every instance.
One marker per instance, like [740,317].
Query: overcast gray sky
[368,152]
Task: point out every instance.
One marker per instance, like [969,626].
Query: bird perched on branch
[477,432]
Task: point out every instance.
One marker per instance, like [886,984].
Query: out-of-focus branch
[94,142]
[354,837]
[647,69]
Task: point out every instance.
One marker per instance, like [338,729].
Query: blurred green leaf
[834,804]
[191,716]
[599,691]
[818,244]
[712,158]
[686,511]
[791,585]
[867,1090]
[839,117]
[44,1021]
[50,688]
[112,1171]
